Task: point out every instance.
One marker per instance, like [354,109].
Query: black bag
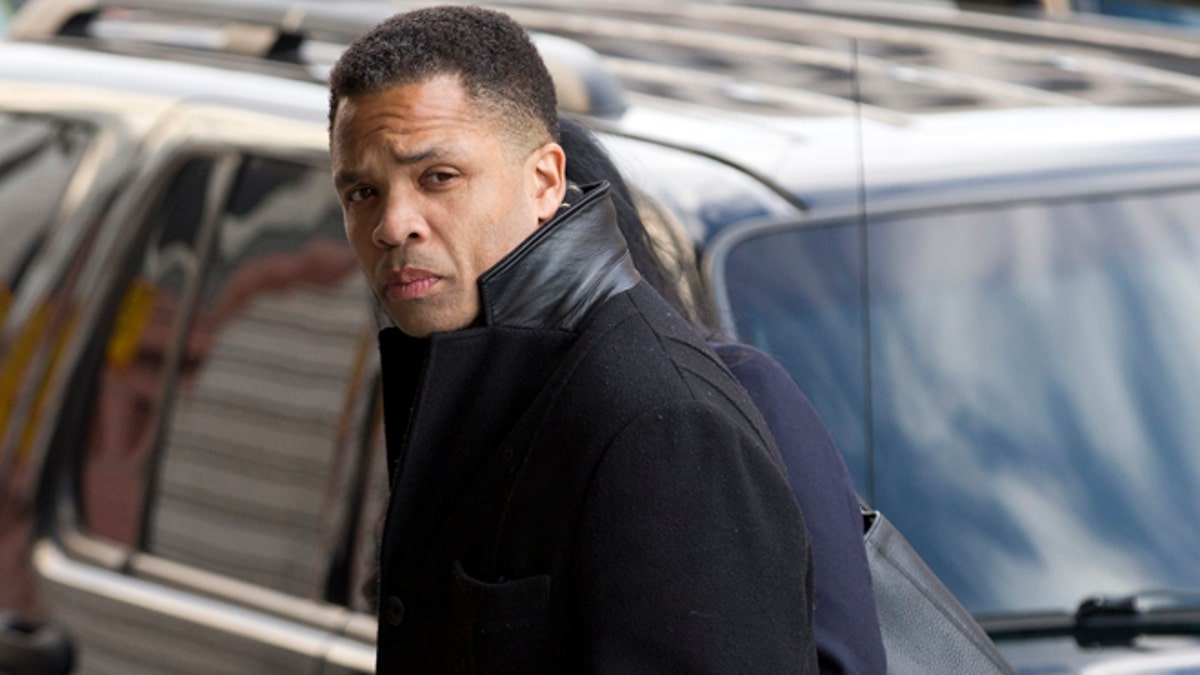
[925,629]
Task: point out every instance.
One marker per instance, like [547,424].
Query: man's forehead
[430,103]
[357,155]
[423,135]
[406,111]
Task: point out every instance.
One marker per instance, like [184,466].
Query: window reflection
[261,408]
[1033,372]
[796,295]
[132,383]
[38,155]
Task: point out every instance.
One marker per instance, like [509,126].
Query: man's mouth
[409,284]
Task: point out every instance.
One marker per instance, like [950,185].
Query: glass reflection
[132,382]
[262,394]
[796,295]
[1032,373]
[38,156]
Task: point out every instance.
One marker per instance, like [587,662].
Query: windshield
[1020,393]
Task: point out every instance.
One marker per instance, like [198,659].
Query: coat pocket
[509,622]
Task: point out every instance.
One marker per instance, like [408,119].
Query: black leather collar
[573,262]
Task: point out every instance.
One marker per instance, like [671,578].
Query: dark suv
[973,239]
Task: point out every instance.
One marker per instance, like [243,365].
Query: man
[577,484]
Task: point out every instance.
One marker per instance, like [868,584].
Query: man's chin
[415,324]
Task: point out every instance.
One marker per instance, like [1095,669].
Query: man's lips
[409,283]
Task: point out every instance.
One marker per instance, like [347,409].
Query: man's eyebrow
[416,157]
[346,176]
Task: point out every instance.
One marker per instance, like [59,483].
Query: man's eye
[359,194]
[439,177]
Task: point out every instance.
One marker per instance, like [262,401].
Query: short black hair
[491,54]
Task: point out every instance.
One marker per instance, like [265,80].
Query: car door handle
[29,647]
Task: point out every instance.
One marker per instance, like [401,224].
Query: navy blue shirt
[845,620]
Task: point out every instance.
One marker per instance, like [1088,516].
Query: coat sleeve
[692,554]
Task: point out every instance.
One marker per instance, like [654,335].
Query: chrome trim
[154,569]
[90,551]
[347,653]
[362,627]
[54,566]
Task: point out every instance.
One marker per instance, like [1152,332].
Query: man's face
[435,192]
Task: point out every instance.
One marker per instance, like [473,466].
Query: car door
[210,435]
[56,157]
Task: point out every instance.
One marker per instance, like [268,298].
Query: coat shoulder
[638,354]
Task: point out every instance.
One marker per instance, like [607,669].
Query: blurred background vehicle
[973,238]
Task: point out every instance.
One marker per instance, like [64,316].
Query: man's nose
[401,223]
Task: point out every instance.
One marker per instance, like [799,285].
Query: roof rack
[886,61]
[910,58]
[308,35]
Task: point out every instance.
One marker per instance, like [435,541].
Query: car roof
[954,106]
[946,105]
[995,156]
[46,66]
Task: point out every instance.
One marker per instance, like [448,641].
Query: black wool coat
[579,485]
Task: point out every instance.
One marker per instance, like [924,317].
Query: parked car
[973,239]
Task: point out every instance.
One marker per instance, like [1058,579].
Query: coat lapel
[446,420]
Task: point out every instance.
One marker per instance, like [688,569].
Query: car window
[38,156]
[261,400]
[796,294]
[1026,413]
[225,396]
[131,384]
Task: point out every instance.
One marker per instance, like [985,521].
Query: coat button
[393,610]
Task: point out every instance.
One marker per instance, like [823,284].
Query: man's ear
[549,166]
